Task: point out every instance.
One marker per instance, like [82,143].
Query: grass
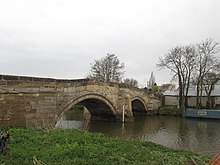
[71,146]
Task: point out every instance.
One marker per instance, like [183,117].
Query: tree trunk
[197,95]
[209,97]
[187,90]
[212,102]
[180,92]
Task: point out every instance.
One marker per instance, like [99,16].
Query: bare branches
[206,64]
[198,59]
[180,60]
[130,82]
[107,69]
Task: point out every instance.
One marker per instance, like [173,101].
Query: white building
[171,97]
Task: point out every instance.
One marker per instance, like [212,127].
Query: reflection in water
[73,119]
[202,136]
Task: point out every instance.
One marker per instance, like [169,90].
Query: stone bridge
[32,101]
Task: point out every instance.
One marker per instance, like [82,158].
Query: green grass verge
[71,146]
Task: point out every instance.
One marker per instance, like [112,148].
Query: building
[171,97]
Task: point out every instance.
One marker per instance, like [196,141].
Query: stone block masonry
[32,101]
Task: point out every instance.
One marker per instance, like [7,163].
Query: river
[198,135]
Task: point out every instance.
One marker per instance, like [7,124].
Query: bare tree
[172,61]
[130,82]
[180,60]
[189,63]
[206,61]
[199,60]
[210,79]
[107,69]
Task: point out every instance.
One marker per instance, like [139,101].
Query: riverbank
[170,111]
[71,146]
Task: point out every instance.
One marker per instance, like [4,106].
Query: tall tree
[107,69]
[206,61]
[172,61]
[189,58]
[180,60]
[210,79]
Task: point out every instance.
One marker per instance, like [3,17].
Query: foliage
[170,110]
[78,107]
[130,82]
[70,146]
[107,69]
[155,88]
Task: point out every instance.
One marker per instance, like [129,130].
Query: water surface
[199,135]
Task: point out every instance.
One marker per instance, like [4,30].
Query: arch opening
[74,113]
[99,108]
[138,107]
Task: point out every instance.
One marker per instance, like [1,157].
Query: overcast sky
[61,38]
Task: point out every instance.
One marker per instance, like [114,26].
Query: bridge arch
[138,106]
[98,105]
